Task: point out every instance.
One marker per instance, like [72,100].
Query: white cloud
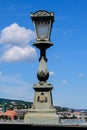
[51,73]
[13,87]
[14,42]
[0,73]
[70,31]
[14,34]
[81,75]
[19,54]
[64,81]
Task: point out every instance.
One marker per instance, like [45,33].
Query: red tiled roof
[10,113]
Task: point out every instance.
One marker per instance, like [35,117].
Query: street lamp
[42,111]
[43,21]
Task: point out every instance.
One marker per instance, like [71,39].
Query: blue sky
[67,58]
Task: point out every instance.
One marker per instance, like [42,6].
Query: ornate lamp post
[42,111]
[43,23]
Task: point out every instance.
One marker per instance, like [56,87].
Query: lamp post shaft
[43,54]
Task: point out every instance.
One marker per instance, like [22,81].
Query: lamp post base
[41,118]
[42,111]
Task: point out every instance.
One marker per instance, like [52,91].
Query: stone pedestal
[41,118]
[42,111]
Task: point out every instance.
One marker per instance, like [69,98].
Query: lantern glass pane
[42,29]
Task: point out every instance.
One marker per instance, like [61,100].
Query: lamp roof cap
[42,14]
